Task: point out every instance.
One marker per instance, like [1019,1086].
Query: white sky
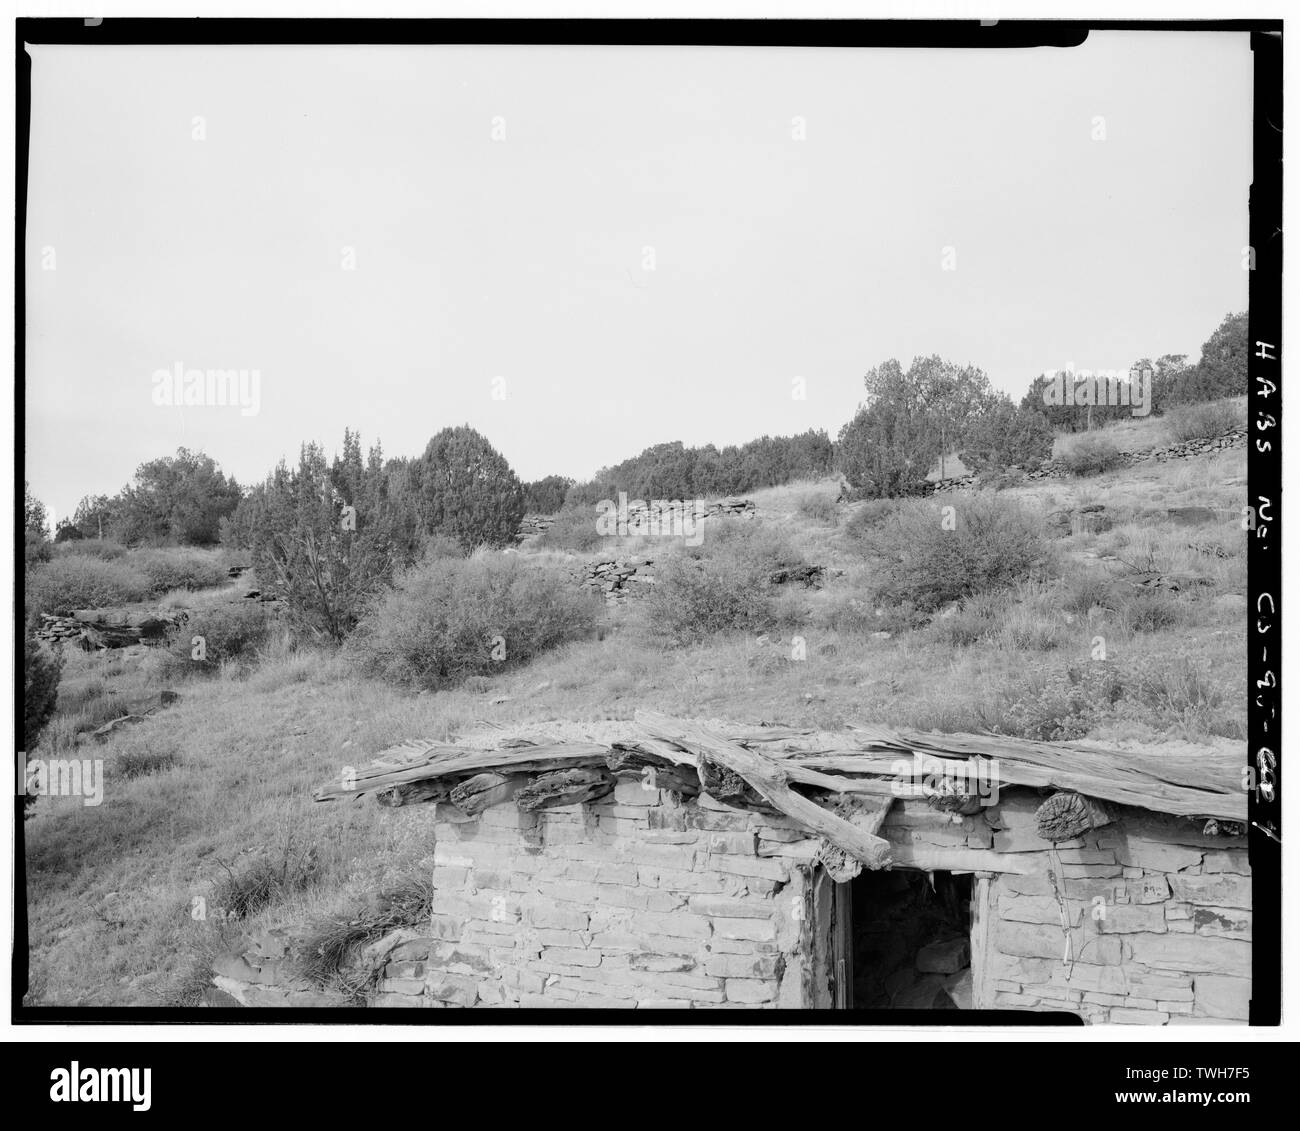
[523,258]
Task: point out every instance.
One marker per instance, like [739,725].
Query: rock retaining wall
[660,515]
[1055,469]
[616,580]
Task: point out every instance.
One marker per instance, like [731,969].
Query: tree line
[461,488]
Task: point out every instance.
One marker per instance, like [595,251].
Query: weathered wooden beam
[410,762]
[729,787]
[624,757]
[1065,816]
[565,787]
[413,793]
[482,791]
[932,858]
[651,770]
[867,814]
[767,776]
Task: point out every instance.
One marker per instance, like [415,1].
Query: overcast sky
[524,256]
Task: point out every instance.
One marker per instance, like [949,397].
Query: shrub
[232,556]
[724,584]
[1004,435]
[977,618]
[468,490]
[80,582]
[441,546]
[103,548]
[448,618]
[1065,705]
[919,561]
[1090,454]
[1204,421]
[1148,610]
[42,668]
[138,763]
[546,496]
[1180,691]
[37,546]
[1087,588]
[819,507]
[267,879]
[870,516]
[843,612]
[179,569]
[229,632]
[334,943]
[574,529]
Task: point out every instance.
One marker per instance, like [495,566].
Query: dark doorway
[911,940]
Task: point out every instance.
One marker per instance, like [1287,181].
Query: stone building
[682,868]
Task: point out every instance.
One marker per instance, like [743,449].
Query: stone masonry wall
[1159,917]
[631,902]
[644,901]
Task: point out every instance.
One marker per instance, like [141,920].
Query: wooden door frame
[833,940]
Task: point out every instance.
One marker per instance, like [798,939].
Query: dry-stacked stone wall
[1055,469]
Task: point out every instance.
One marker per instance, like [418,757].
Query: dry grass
[1144,433]
[111,889]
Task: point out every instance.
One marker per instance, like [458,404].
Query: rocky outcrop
[109,628]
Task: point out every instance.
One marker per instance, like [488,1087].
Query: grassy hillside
[208,795]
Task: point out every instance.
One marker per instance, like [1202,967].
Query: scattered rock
[114,725]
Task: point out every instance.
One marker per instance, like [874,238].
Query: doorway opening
[910,934]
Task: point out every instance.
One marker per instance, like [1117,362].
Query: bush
[448,618]
[1148,610]
[870,516]
[133,763]
[1090,454]
[179,569]
[1067,704]
[574,529]
[819,507]
[42,668]
[334,943]
[80,582]
[1086,588]
[1181,691]
[468,490]
[919,561]
[724,584]
[230,632]
[103,548]
[441,546]
[231,556]
[979,617]
[268,878]
[1204,421]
